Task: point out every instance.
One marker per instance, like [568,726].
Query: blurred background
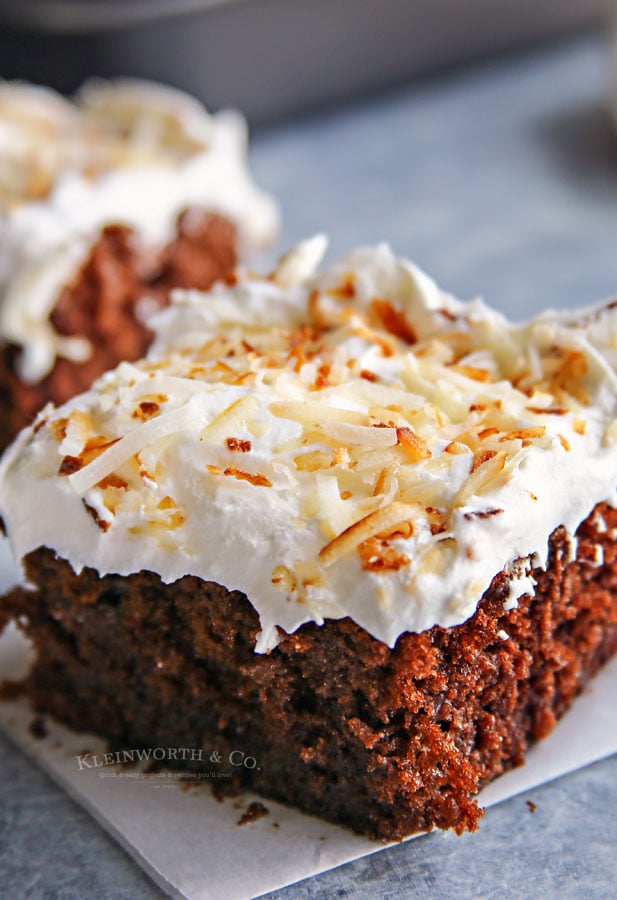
[473,135]
[270,57]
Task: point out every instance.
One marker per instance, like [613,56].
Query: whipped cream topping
[125,152]
[350,442]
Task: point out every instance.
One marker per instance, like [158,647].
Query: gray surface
[566,849]
[50,848]
[501,179]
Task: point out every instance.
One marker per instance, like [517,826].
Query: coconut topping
[125,152]
[351,442]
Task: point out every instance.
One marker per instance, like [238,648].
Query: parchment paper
[192,846]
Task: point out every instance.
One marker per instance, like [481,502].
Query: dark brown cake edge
[387,742]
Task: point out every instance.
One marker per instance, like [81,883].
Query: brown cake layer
[387,742]
[102,304]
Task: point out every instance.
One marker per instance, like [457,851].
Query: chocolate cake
[106,205]
[339,522]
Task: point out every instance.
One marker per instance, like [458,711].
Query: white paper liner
[192,846]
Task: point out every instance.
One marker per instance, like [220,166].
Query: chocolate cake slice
[337,522]
[106,204]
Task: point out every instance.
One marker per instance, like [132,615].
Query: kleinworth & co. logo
[215,763]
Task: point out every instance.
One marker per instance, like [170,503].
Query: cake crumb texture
[386,742]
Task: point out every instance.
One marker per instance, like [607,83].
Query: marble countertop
[499,179]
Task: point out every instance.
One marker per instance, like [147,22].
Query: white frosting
[126,152]
[353,442]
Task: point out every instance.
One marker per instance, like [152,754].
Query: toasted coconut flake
[370,525]
[378,556]
[238,445]
[335,515]
[284,578]
[483,513]
[380,483]
[245,378]
[323,374]
[187,417]
[78,429]
[341,457]
[112,496]
[69,465]
[412,444]
[393,320]
[425,493]
[547,411]
[456,448]
[255,479]
[40,423]
[233,416]
[300,262]
[485,476]
[436,519]
[569,375]
[145,410]
[472,372]
[316,315]
[390,417]
[310,413]
[470,439]
[368,375]
[346,290]
[384,346]
[579,426]
[367,436]
[485,433]
[103,524]
[481,457]
[564,443]
[403,530]
[113,481]
[371,461]
[524,434]
[314,461]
